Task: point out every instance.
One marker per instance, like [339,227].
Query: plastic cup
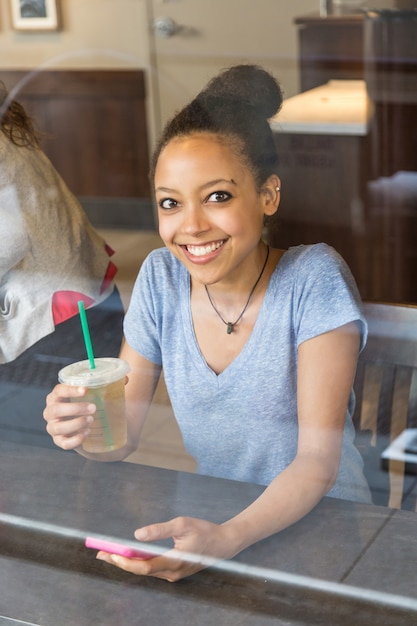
[106,389]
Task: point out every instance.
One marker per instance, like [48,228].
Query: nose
[194,220]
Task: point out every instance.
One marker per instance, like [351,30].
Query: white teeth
[202,250]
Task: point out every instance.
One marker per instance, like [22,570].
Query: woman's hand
[205,541]
[68,422]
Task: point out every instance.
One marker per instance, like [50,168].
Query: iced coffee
[106,389]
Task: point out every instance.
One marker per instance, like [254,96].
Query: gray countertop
[342,557]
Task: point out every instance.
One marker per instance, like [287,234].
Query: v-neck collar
[198,359]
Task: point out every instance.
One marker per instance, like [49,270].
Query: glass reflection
[73,496]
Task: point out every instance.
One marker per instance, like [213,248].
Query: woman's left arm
[326,369]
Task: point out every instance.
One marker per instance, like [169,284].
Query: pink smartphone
[113,547]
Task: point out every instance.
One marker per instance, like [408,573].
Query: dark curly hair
[15,123]
[235,105]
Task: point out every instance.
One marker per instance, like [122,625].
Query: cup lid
[107,370]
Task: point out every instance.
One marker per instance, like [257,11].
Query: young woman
[258,345]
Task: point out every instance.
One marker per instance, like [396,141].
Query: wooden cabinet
[321,137]
[322,198]
[357,190]
[329,47]
[390,56]
[390,71]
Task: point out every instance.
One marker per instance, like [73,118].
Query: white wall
[116,33]
[95,33]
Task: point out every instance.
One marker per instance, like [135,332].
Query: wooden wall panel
[95,127]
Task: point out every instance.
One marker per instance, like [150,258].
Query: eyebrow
[210,183]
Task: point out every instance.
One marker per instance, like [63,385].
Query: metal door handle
[166,27]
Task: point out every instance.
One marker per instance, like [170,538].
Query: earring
[277,188]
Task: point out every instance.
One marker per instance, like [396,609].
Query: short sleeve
[326,295]
[141,321]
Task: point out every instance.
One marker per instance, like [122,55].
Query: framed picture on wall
[35,15]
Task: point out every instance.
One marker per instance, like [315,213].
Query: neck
[234,321]
[240,281]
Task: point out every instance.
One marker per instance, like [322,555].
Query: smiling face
[210,211]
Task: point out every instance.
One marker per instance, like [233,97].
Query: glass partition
[82,107]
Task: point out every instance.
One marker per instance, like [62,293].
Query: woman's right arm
[68,421]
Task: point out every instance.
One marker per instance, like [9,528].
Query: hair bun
[248,84]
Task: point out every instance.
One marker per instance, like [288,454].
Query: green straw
[86,333]
[97,397]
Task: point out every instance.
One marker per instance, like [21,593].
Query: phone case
[113,547]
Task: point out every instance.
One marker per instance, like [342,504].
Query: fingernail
[90,419]
[91,408]
[141,534]
[116,559]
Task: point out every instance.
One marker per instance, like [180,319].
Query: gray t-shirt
[242,424]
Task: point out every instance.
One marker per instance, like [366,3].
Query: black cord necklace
[231,325]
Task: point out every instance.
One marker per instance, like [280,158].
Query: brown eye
[219,196]
[168,203]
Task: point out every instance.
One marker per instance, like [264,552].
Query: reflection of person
[50,255]
[258,345]
[32,8]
